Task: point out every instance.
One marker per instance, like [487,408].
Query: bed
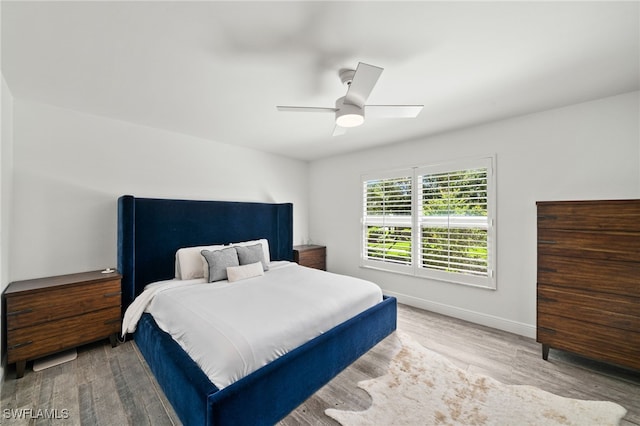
[150,231]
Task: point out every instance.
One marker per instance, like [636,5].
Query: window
[388,220]
[432,221]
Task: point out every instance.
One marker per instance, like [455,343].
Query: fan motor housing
[348,115]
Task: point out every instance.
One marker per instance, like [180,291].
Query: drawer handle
[547,217]
[547,330]
[19,345]
[24,311]
[546,299]
[543,269]
[546,242]
[115,293]
[112,321]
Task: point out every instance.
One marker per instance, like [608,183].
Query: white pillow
[250,270]
[189,262]
[265,247]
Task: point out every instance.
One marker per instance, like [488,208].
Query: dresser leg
[113,339]
[20,366]
[545,352]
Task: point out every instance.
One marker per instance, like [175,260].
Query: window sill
[411,273]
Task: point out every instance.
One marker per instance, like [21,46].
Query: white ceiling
[217,70]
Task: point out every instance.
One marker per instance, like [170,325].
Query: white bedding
[232,329]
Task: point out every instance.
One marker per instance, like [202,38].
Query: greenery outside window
[432,221]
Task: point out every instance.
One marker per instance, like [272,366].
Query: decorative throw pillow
[251,254]
[237,273]
[204,265]
[265,247]
[219,261]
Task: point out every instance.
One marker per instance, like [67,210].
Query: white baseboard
[515,327]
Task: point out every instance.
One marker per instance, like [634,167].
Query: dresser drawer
[591,340]
[613,215]
[590,244]
[605,309]
[32,308]
[590,274]
[42,339]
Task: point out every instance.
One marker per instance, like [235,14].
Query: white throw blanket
[139,305]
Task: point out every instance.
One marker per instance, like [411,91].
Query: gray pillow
[251,254]
[218,262]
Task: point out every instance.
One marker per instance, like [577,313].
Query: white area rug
[424,388]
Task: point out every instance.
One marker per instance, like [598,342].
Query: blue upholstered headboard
[151,230]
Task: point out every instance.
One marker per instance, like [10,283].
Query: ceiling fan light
[350,120]
[348,115]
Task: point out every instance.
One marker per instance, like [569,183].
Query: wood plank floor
[106,386]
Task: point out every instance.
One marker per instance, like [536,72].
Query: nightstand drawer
[42,339]
[35,308]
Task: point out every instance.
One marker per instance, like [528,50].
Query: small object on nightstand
[48,315]
[312,256]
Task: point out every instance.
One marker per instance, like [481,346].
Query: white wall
[70,168]
[6,179]
[585,151]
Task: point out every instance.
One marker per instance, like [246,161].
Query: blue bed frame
[149,233]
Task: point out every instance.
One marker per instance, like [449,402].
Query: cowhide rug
[424,388]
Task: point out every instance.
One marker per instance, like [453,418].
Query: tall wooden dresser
[589,279]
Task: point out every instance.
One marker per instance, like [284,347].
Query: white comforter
[232,329]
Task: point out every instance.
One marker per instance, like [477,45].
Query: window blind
[454,221]
[387,219]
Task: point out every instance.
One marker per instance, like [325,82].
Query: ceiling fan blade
[364,79]
[304,109]
[392,111]
[337,131]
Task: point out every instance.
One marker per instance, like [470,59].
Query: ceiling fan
[351,109]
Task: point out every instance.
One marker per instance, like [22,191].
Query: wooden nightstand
[311,255]
[48,315]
